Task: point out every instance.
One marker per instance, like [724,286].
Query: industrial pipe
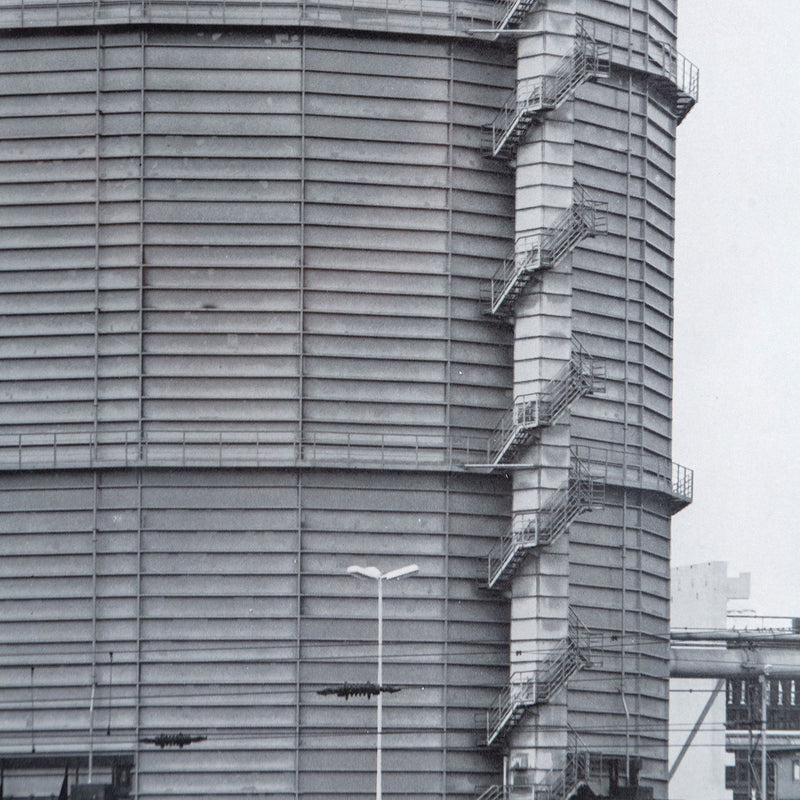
[722,662]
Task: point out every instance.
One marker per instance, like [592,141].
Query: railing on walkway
[640,471]
[434,16]
[236,448]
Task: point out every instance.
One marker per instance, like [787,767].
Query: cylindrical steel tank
[245,345]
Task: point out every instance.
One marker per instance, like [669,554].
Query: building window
[796,771]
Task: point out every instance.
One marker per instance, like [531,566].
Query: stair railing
[531,688]
[495,793]
[584,218]
[523,535]
[521,691]
[526,257]
[508,13]
[580,493]
[514,427]
[587,60]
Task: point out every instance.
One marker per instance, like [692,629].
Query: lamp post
[373,573]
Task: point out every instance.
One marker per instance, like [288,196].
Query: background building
[752,738]
[701,599]
[272,273]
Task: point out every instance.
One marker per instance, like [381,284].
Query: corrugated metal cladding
[224,600]
[188,212]
[622,310]
[242,347]
[249,246]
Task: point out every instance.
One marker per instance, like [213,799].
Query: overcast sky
[737,296]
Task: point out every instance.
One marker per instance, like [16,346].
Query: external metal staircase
[526,689]
[583,219]
[582,375]
[534,97]
[581,766]
[496,793]
[582,492]
[509,13]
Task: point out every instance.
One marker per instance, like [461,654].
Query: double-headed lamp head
[375,574]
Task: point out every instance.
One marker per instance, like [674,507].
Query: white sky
[737,296]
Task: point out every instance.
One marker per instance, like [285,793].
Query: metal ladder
[533,97]
[585,218]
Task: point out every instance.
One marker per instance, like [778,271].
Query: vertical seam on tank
[301,278]
[626,380]
[448,407]
[140,281]
[298,630]
[642,310]
[97,133]
[449,256]
[138,656]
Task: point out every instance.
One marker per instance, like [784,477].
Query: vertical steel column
[764,681]
[97,135]
[301,277]
[140,280]
[625,401]
[379,721]
[298,629]
[446,648]
[137,695]
[448,387]
[94,622]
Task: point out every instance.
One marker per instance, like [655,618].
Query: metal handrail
[255,447]
[520,690]
[585,217]
[581,492]
[540,93]
[506,12]
[641,470]
[411,15]
[524,415]
[527,255]
[495,793]
[676,68]
[538,686]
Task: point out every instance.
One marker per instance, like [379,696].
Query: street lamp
[373,573]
